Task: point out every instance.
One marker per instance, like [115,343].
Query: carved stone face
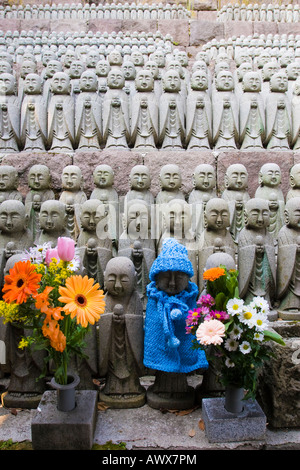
[159,58]
[293,70]
[69,57]
[60,83]
[12,217]
[137,58]
[138,220]
[170,177]
[292,213]
[129,70]
[269,69]
[115,58]
[140,178]
[199,65]
[257,214]
[204,177]
[294,176]
[53,66]
[102,68]
[92,58]
[279,82]
[103,176]
[176,65]
[119,277]
[33,84]
[177,218]
[270,175]
[199,81]
[225,81]
[152,66]
[89,217]
[217,214]
[27,67]
[263,59]
[48,55]
[76,69]
[5,67]
[171,81]
[144,81]
[252,82]
[52,216]
[242,69]
[71,178]
[236,177]
[172,282]
[8,178]
[116,79]
[39,177]
[182,57]
[7,84]
[88,81]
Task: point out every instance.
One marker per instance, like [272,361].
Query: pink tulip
[50,254]
[66,248]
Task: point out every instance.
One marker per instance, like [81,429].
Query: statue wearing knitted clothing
[167,348]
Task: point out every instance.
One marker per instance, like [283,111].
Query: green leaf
[272,336]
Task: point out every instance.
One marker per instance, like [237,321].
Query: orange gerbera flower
[84,300]
[213,273]
[52,331]
[21,282]
[42,299]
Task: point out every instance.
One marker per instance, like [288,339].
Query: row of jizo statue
[261,232]
[278,13]
[147,113]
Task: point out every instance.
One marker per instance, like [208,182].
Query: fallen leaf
[101,406]
[13,411]
[201,425]
[192,432]
[96,382]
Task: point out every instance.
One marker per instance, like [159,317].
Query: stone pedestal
[52,429]
[223,426]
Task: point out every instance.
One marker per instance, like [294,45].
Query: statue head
[292,213]
[5,67]
[279,82]
[236,177]
[268,70]
[32,84]
[103,176]
[102,68]
[182,57]
[39,177]
[177,217]
[152,66]
[296,89]
[216,214]
[199,65]
[28,66]
[256,214]
[69,57]
[13,218]
[88,81]
[175,65]
[115,58]
[76,69]
[60,83]
[243,69]
[204,177]
[137,219]
[120,277]
[170,177]
[225,81]
[293,70]
[199,80]
[7,84]
[88,215]
[116,79]
[137,58]
[129,70]
[144,81]
[8,178]
[140,179]
[53,217]
[294,176]
[159,58]
[52,67]
[252,82]
[171,81]
[92,58]
[71,178]
[221,67]
[270,175]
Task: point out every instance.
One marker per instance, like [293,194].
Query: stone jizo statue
[53,222]
[9,114]
[294,190]
[9,182]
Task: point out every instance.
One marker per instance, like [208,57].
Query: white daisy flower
[234,306]
[229,363]
[261,304]
[247,316]
[260,322]
[231,344]
[245,347]
[258,336]
[236,332]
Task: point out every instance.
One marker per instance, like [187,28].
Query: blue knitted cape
[167,346]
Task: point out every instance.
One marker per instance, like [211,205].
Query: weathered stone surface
[120,161]
[37,25]
[238,28]
[265,27]
[23,161]
[253,161]
[204,31]
[186,160]
[178,29]
[279,382]
[205,5]
[68,25]
[10,24]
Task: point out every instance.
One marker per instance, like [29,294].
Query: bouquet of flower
[42,292]
[235,337]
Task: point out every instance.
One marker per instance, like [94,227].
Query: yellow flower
[84,300]
[23,343]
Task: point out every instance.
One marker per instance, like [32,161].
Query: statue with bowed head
[294,190]
[288,259]
[121,337]
[144,113]
[116,124]
[9,114]
[256,254]
[72,196]
[236,194]
[278,114]
[9,181]
[167,348]
[33,126]
[225,112]
[39,182]
[88,119]
[215,237]
[295,111]
[198,113]
[61,115]
[270,190]
[252,113]
[171,113]
[53,220]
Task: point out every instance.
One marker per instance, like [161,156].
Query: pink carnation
[210,332]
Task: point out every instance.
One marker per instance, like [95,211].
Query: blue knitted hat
[173,257]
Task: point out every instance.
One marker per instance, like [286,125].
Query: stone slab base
[184,402]
[22,400]
[52,429]
[134,401]
[223,426]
